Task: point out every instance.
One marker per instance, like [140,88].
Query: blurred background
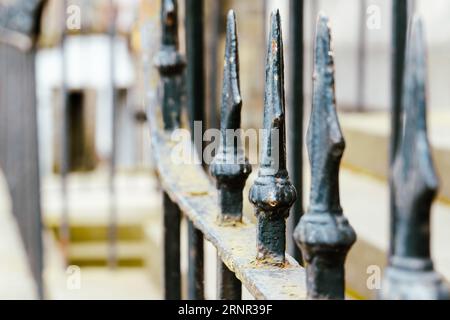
[100,202]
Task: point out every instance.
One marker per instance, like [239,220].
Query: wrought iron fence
[254,255]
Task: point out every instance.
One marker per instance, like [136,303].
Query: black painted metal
[228,286]
[272,194]
[230,167]
[172,273]
[295,121]
[195,81]
[171,64]
[323,233]
[399,28]
[195,77]
[195,263]
[410,274]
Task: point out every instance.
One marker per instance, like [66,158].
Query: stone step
[94,282]
[367,143]
[365,203]
[129,253]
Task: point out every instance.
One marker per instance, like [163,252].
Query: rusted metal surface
[272,194]
[410,274]
[323,233]
[189,186]
[230,167]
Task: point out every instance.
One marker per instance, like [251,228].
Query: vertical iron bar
[410,273]
[323,233]
[64,230]
[228,286]
[230,167]
[272,194]
[171,66]
[195,263]
[196,106]
[399,30]
[295,121]
[361,64]
[172,274]
[112,229]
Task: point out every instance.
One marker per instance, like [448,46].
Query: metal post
[230,167]
[64,228]
[399,28]
[323,233]
[410,273]
[295,121]
[171,66]
[272,194]
[196,102]
[228,286]
[112,229]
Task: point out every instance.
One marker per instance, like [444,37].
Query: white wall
[88,60]
[344,20]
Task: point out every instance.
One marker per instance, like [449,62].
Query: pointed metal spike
[230,167]
[231,95]
[170,64]
[325,141]
[410,274]
[272,193]
[169,20]
[323,233]
[273,154]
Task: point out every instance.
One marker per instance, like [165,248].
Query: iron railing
[254,255]
[249,254]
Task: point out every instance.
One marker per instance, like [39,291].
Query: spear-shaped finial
[272,193]
[169,20]
[410,273]
[323,233]
[170,64]
[230,166]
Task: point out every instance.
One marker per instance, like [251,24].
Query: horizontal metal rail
[189,187]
